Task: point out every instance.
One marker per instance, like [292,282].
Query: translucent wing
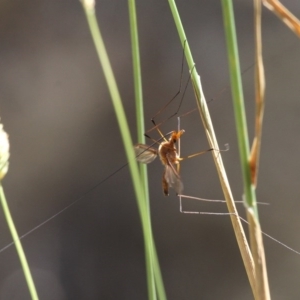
[144,153]
[173,179]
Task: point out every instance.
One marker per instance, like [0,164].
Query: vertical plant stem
[238,102]
[141,139]
[261,281]
[259,94]
[152,263]
[88,6]
[257,246]
[19,248]
[209,130]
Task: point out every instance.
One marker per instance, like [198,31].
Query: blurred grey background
[65,139]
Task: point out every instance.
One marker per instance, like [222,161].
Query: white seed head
[89,4]
[4,152]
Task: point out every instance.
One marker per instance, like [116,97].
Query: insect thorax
[167,153]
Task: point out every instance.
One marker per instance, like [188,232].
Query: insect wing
[144,153]
[173,179]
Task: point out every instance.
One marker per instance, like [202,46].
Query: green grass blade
[4,163]
[209,130]
[19,248]
[238,103]
[261,287]
[153,267]
[127,141]
[138,92]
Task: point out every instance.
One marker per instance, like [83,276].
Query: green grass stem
[209,130]
[138,92]
[238,103]
[19,248]
[127,141]
[152,266]
[261,288]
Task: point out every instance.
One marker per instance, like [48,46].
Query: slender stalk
[152,263]
[261,288]
[88,6]
[284,14]
[19,248]
[257,246]
[259,94]
[141,139]
[238,102]
[205,116]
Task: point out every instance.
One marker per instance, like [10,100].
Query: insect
[167,150]
[169,158]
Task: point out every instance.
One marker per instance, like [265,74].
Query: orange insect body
[169,157]
[167,150]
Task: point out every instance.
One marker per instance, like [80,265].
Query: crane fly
[167,150]
[169,158]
